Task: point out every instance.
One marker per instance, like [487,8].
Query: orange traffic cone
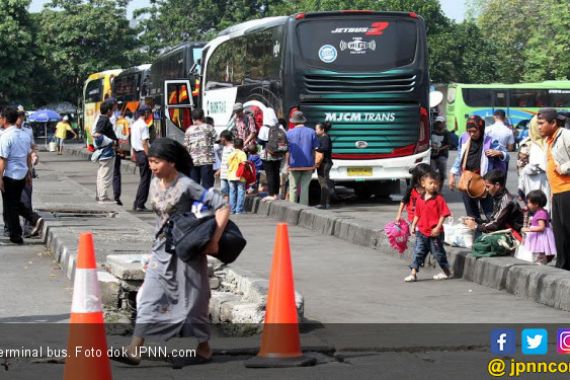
[87,356]
[280,341]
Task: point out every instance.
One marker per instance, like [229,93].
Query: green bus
[519,101]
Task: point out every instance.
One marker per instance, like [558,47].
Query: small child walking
[413,192]
[226,140]
[431,211]
[237,184]
[539,236]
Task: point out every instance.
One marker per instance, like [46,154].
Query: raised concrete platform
[543,284]
[121,239]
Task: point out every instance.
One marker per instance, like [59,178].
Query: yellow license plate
[359,172]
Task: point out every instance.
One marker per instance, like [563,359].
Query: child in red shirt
[413,192]
[431,211]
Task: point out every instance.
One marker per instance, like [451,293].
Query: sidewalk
[343,278]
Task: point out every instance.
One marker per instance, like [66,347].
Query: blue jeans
[237,196]
[225,186]
[426,244]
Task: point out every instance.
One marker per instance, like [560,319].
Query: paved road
[341,283]
[344,283]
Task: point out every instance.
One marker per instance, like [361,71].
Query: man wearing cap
[139,144]
[558,173]
[301,157]
[244,126]
[500,133]
[61,130]
[440,148]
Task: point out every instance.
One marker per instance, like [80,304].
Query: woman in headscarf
[532,176]
[483,155]
[173,299]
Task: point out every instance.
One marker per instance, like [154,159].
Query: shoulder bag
[470,182]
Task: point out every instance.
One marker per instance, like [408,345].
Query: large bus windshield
[357,43]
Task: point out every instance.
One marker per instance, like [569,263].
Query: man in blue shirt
[301,157]
[15,163]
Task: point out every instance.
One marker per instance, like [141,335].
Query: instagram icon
[563,343]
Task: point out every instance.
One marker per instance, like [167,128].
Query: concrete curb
[543,284]
[241,299]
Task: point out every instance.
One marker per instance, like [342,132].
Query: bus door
[177,108]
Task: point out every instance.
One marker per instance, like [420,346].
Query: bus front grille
[316,83]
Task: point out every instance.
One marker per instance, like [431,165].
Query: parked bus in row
[174,89]
[366,72]
[96,89]
[130,89]
[519,101]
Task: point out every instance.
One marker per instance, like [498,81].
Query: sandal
[441,276]
[178,363]
[410,278]
[126,359]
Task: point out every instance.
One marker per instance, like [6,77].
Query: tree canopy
[48,55]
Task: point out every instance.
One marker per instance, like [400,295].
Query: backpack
[498,243]
[246,170]
[277,143]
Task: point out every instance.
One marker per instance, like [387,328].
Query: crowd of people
[535,214]
[211,170]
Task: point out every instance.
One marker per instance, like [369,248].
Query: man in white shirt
[139,144]
[15,164]
[500,132]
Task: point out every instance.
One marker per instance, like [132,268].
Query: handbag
[470,182]
[187,236]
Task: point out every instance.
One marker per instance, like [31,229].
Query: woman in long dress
[173,300]
[533,175]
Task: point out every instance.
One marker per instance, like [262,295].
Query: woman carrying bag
[173,300]
[478,154]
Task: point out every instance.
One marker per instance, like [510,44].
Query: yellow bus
[97,88]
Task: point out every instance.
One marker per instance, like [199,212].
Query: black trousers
[117,178]
[144,184]
[472,206]
[327,186]
[204,175]
[272,174]
[27,201]
[561,228]
[14,208]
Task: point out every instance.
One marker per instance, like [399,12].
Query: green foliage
[548,49]
[47,56]
[84,38]
[15,50]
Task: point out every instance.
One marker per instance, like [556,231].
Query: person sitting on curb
[506,211]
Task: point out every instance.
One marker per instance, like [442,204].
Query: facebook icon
[503,342]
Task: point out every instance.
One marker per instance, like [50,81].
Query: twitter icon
[534,341]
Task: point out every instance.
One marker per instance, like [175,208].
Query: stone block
[320,221]
[351,231]
[492,271]
[264,208]
[547,285]
[126,267]
[110,288]
[278,210]
[214,282]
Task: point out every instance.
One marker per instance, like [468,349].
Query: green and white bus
[365,72]
[519,101]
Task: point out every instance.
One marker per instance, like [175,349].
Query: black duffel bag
[187,236]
